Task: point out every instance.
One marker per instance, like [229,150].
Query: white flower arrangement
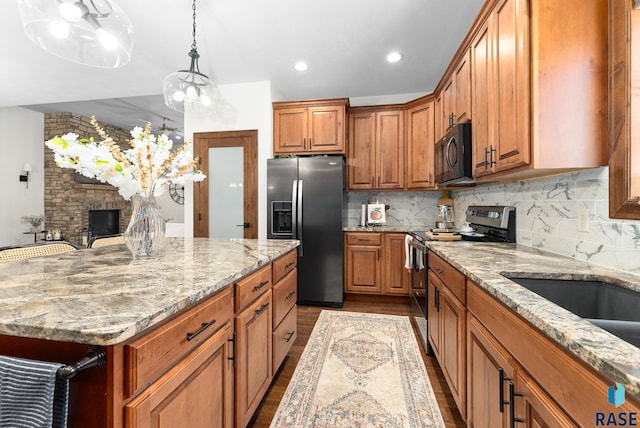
[147,168]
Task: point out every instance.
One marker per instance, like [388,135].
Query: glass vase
[144,235]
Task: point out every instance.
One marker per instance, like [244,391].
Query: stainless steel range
[488,223]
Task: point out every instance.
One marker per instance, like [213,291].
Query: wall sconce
[26,169]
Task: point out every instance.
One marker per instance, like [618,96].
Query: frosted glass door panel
[226,192]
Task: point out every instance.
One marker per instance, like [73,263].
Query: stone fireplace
[68,200]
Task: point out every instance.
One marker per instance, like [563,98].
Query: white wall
[243,106]
[22,133]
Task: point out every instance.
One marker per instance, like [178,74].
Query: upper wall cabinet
[456,96]
[624,110]
[376,148]
[419,132]
[309,127]
[539,86]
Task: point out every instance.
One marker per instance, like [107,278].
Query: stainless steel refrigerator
[305,199]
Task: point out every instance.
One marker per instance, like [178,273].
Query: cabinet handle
[372,181]
[486,155]
[430,178]
[304,143]
[436,295]
[512,407]
[437,270]
[202,328]
[259,286]
[290,295]
[378,181]
[287,339]
[363,240]
[503,378]
[288,265]
[379,253]
[491,161]
[261,309]
[233,347]
[309,142]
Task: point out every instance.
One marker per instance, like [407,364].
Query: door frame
[248,140]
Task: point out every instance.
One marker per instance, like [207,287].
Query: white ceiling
[344,42]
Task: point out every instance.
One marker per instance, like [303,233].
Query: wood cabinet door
[433,315]
[361,162]
[197,392]
[453,347]
[390,149]
[489,370]
[481,100]
[624,99]
[363,269]
[396,279]
[448,105]
[420,142]
[534,407]
[511,61]
[289,130]
[461,82]
[326,129]
[254,357]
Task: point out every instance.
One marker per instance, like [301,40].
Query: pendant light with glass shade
[191,87]
[89,32]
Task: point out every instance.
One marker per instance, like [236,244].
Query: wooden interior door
[248,140]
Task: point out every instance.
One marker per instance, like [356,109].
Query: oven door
[419,293]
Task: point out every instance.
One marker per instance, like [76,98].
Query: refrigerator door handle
[294,212]
[299,221]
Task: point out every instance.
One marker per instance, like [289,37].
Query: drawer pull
[261,309]
[202,328]
[290,295]
[287,339]
[437,270]
[259,286]
[288,265]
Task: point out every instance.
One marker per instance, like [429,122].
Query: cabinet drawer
[284,265]
[364,238]
[252,286]
[284,296]
[151,355]
[449,275]
[284,336]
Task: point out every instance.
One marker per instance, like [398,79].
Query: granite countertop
[103,296]
[386,228]
[484,264]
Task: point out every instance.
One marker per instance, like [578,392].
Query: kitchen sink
[608,306]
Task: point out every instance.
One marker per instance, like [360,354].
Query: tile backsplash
[547,212]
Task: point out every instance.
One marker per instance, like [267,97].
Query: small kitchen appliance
[445,221]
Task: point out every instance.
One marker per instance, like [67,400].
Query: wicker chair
[101,241]
[29,251]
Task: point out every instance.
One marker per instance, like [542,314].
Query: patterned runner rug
[359,370]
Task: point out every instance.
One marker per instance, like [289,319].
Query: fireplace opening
[104,222]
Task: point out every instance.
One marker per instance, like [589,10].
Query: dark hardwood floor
[307,317]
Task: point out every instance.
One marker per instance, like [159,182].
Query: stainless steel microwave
[453,156]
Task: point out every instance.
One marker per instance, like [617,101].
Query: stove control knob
[469,212]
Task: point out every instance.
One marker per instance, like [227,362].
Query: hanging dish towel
[31,395]
[408,254]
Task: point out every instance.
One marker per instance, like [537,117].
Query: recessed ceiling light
[301,66]
[394,57]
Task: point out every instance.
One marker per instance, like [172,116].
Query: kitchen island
[54,308]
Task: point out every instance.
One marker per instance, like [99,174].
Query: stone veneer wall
[66,202]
